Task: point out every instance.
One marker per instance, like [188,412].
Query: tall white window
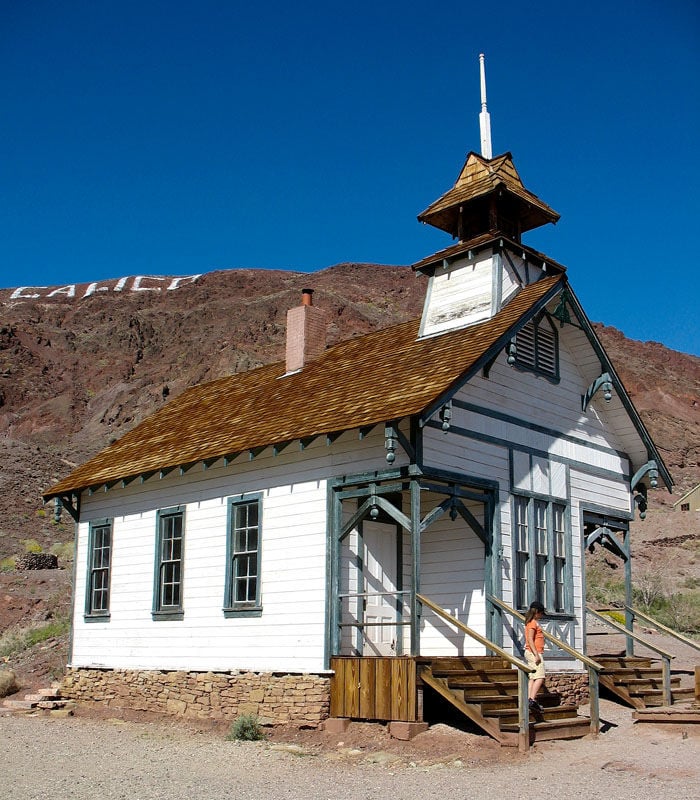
[242,593]
[99,569]
[540,554]
[169,564]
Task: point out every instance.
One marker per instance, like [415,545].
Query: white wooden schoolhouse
[321,536]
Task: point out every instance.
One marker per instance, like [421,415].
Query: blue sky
[172,138]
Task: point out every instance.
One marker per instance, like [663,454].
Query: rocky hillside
[80,365]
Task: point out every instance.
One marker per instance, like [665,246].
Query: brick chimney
[306,332]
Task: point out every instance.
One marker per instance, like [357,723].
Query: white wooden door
[380,577]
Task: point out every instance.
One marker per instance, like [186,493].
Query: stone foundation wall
[573,687]
[301,700]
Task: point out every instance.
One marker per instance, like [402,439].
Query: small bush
[8,564]
[62,550]
[616,616]
[246,728]
[31,546]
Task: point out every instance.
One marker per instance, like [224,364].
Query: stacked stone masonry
[571,687]
[300,700]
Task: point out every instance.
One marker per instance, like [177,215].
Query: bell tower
[486,211]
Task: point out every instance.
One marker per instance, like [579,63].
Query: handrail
[665,629]
[589,662]
[523,675]
[521,665]
[665,657]
[594,668]
[628,632]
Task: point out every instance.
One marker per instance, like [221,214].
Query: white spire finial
[484,118]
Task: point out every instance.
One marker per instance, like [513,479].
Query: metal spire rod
[484,117]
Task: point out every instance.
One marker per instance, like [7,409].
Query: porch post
[335,513]
[629,616]
[415,566]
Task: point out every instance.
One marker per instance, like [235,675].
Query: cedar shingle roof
[382,376]
[480,177]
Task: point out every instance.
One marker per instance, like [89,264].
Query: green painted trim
[436,473]
[454,490]
[376,488]
[377,476]
[176,612]
[535,427]
[232,608]
[232,613]
[333,522]
[89,612]
[484,437]
[415,567]
[90,618]
[568,596]
[157,616]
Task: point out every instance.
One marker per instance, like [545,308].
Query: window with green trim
[99,569]
[243,556]
[169,564]
[537,347]
[540,554]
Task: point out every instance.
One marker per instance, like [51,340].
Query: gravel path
[82,758]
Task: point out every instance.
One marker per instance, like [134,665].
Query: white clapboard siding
[460,295]
[452,576]
[290,633]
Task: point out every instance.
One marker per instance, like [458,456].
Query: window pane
[522,553]
[245,542]
[99,563]
[171,550]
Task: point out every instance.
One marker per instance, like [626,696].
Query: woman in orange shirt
[534,652]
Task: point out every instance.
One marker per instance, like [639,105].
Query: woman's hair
[535,606]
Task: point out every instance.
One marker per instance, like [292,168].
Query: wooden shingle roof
[382,376]
[479,178]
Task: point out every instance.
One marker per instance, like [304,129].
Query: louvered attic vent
[537,348]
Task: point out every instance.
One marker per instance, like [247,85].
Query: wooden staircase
[485,690]
[638,683]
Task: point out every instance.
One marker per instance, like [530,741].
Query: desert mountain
[82,364]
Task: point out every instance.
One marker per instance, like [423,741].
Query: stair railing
[523,669]
[665,656]
[594,668]
[663,628]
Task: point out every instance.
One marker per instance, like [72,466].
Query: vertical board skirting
[374,688]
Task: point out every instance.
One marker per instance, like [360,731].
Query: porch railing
[665,656]
[523,669]
[663,628]
[594,668]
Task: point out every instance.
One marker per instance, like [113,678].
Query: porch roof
[385,375]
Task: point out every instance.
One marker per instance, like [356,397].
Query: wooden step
[646,683]
[482,687]
[509,716]
[623,661]
[458,663]
[569,728]
[481,675]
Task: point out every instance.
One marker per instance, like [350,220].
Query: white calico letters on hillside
[137,283]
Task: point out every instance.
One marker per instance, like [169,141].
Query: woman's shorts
[539,668]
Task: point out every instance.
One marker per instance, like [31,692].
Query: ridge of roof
[387,374]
